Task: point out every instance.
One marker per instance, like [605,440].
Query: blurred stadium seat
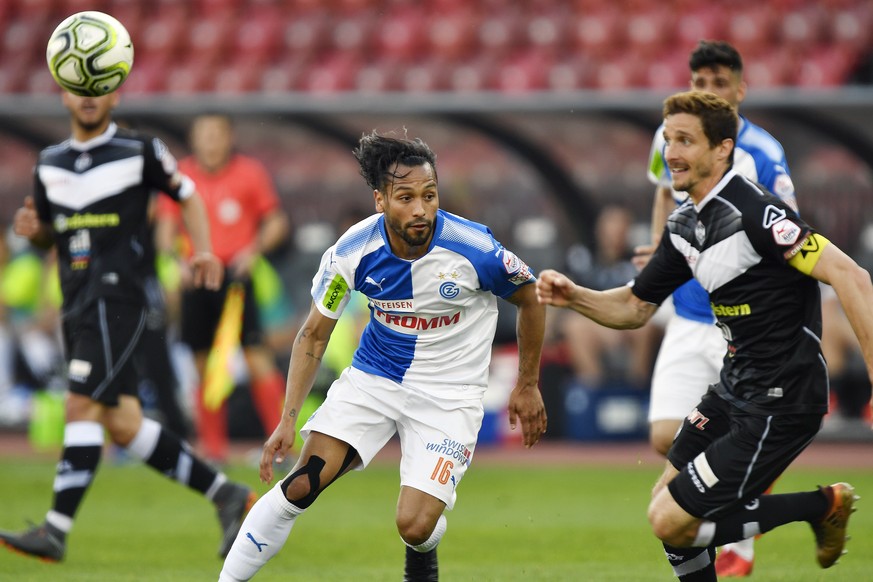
[438,45]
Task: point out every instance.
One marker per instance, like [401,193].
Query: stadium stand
[388,45]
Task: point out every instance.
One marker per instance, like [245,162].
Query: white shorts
[437,436]
[689,361]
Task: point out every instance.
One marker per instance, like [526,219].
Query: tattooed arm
[309,347]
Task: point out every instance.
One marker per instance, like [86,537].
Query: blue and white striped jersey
[759,157]
[432,319]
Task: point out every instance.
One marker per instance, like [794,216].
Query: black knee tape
[312,469]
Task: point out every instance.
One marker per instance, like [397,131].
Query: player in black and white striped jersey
[761,265]
[91,200]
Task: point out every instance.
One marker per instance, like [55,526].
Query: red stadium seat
[258,38]
[24,39]
[453,36]
[400,34]
[598,35]
[13,77]
[570,74]
[280,77]
[376,76]
[335,72]
[648,31]
[828,66]
[353,32]
[703,22]
[523,73]
[851,27]
[67,7]
[619,73]
[211,9]
[667,72]
[40,81]
[193,76]
[771,69]
[161,38]
[498,34]
[802,27]
[240,77]
[306,35]
[751,31]
[147,76]
[472,76]
[207,40]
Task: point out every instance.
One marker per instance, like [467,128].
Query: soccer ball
[90,54]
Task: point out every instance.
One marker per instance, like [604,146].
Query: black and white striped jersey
[737,243]
[95,196]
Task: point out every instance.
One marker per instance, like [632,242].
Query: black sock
[83,447]
[692,564]
[768,512]
[421,566]
[164,451]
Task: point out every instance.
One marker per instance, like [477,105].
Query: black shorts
[201,312]
[101,342]
[727,457]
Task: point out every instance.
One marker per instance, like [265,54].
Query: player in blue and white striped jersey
[421,369]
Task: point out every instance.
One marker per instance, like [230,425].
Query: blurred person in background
[598,355]
[246,222]
[421,368]
[90,200]
[692,350]
[761,265]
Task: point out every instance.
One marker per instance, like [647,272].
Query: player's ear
[378,199]
[725,148]
[741,91]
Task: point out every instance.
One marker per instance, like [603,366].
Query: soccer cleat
[233,502]
[729,564]
[421,566]
[830,531]
[44,541]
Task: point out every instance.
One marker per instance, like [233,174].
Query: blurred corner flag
[218,378]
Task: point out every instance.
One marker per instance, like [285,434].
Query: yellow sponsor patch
[335,293]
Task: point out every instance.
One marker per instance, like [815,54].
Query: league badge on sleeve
[516,267]
[785,232]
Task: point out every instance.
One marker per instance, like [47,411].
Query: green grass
[572,523]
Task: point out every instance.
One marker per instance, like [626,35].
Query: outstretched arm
[853,287]
[306,357]
[617,308]
[525,401]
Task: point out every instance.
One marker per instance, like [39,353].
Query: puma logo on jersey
[373,282]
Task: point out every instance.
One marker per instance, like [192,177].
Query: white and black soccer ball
[90,53]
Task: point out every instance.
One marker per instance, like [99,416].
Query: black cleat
[421,566]
[233,502]
[44,542]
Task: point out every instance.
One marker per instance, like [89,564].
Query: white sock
[743,548]
[434,538]
[262,535]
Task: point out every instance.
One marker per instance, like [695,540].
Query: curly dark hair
[379,156]
[712,53]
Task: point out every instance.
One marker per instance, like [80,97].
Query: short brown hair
[717,117]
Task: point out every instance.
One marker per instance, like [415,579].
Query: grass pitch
[555,523]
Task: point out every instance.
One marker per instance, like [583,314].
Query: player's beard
[412,237]
[89,123]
